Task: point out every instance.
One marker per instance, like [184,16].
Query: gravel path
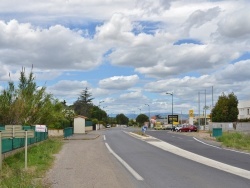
[87,163]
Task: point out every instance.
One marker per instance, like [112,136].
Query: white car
[108,126]
[177,128]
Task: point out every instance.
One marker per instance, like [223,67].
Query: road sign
[13,133]
[191,113]
[41,128]
[13,127]
[17,134]
[174,118]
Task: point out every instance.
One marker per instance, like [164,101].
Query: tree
[28,104]
[141,119]
[84,103]
[97,113]
[131,122]
[226,109]
[122,119]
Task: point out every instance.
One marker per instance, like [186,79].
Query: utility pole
[205,108]
[172,94]
[149,115]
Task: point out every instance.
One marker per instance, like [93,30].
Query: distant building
[244,109]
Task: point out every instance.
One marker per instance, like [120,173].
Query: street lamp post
[149,115]
[100,108]
[172,94]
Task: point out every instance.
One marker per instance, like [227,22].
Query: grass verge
[40,159]
[140,133]
[236,140]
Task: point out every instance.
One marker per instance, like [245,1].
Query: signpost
[173,118]
[15,131]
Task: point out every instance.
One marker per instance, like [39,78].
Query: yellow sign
[191,113]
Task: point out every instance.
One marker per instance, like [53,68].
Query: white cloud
[135,34]
[238,72]
[119,82]
[56,48]
[201,17]
[236,24]
[68,90]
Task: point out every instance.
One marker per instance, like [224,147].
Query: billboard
[174,118]
[191,113]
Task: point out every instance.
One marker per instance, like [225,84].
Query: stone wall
[230,126]
[55,132]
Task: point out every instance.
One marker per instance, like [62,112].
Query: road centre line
[130,169]
[200,159]
[104,137]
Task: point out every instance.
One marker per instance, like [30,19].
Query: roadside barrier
[10,144]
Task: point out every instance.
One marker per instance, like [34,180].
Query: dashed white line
[104,137]
[130,169]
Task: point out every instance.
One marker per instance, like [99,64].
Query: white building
[244,109]
[79,124]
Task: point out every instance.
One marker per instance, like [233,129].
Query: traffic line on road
[200,159]
[130,169]
[220,147]
[104,137]
[206,143]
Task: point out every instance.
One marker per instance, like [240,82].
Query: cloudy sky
[129,53]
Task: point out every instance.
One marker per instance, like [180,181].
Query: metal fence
[68,131]
[88,123]
[15,143]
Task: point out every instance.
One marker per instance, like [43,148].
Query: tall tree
[84,103]
[226,109]
[141,119]
[122,119]
[28,104]
[98,113]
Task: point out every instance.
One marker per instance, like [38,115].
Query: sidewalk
[91,135]
[85,162]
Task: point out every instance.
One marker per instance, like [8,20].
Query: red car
[188,128]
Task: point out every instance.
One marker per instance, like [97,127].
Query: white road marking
[200,159]
[197,158]
[104,137]
[130,169]
[221,148]
[206,143]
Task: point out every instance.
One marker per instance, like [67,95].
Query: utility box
[217,132]
[79,124]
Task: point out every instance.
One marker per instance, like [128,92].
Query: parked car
[108,126]
[177,127]
[158,127]
[192,128]
[167,127]
[188,128]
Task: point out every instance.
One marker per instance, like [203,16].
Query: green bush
[235,140]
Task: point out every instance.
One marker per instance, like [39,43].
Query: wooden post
[1,150]
[26,150]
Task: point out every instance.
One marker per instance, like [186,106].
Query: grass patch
[140,133]
[236,140]
[40,159]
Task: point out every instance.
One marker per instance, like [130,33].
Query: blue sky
[130,52]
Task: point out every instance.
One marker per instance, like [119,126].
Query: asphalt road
[234,158]
[160,168]
[86,163]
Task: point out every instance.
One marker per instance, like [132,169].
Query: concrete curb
[83,137]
